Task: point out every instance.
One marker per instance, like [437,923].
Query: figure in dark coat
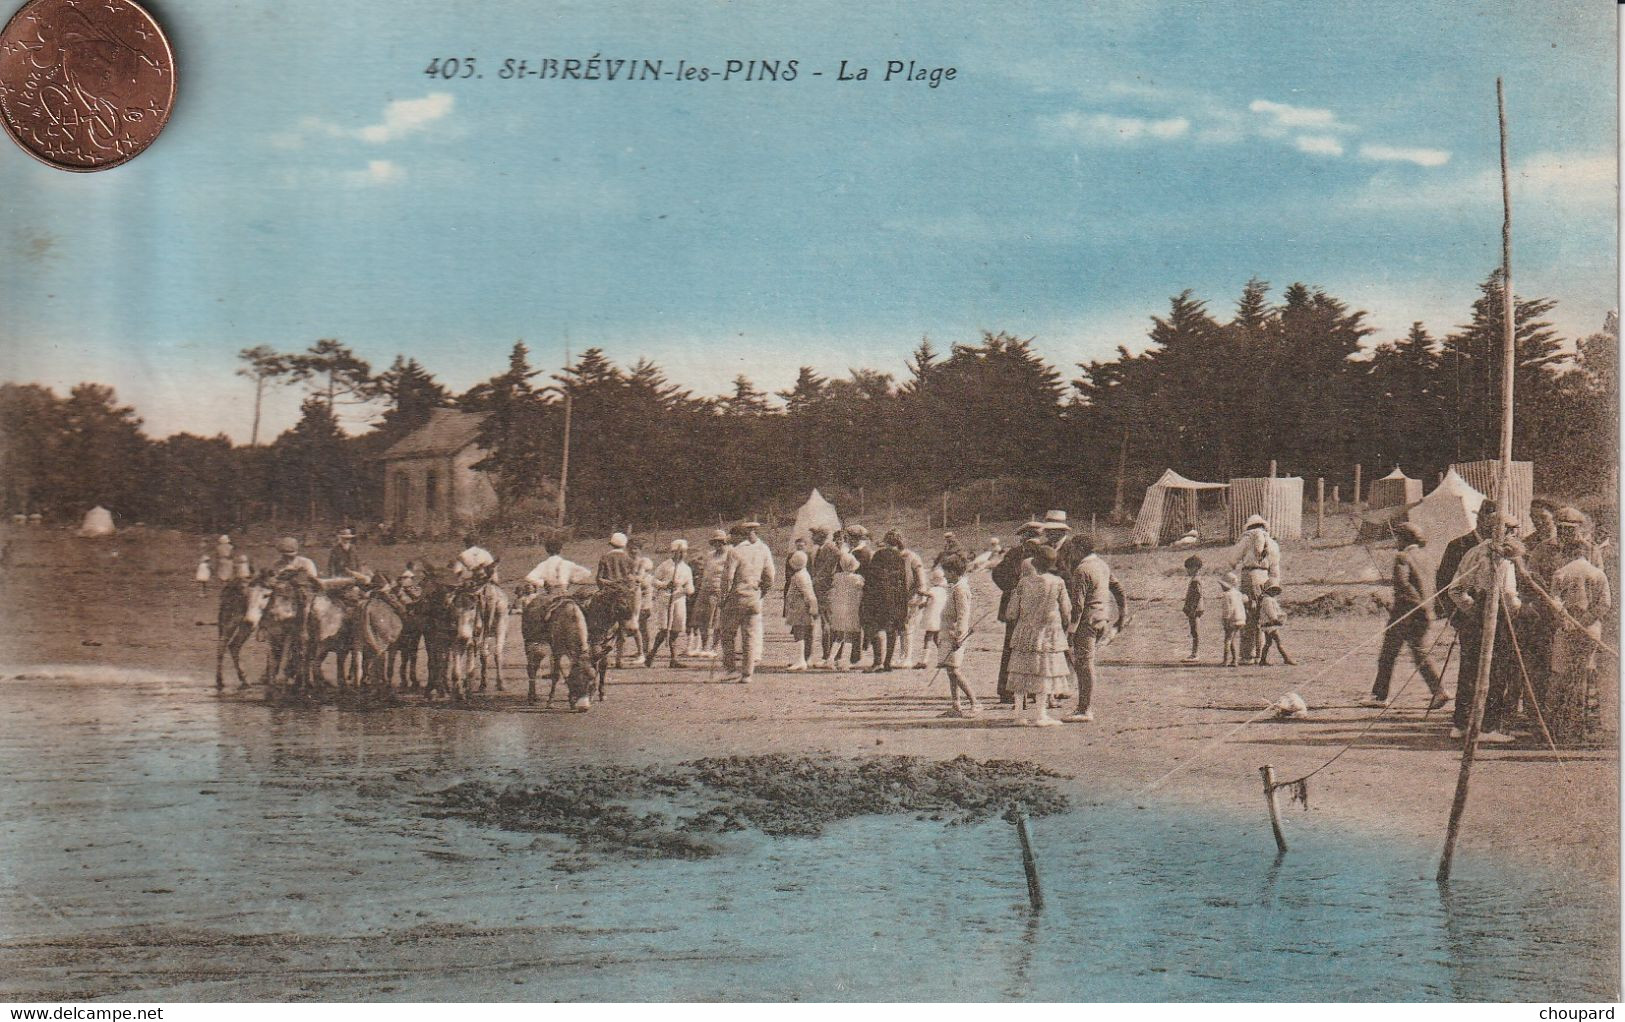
[883,611]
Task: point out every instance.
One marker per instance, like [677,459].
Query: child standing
[1270,619]
[935,600]
[845,595]
[202,575]
[1193,602]
[1235,618]
[953,612]
[800,608]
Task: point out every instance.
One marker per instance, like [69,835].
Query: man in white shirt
[748,573]
[1258,565]
[556,574]
[475,563]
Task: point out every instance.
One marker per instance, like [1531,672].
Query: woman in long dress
[1581,599]
[1040,609]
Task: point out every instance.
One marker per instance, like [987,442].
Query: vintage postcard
[741,501]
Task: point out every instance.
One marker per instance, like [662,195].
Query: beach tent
[1451,510]
[817,513]
[1395,489]
[1279,500]
[1169,509]
[98,522]
[1485,477]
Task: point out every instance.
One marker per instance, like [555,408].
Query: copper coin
[84,84]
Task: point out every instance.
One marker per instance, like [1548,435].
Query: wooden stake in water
[1029,862]
[1486,654]
[1268,773]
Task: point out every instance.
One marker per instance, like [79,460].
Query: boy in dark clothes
[1193,602]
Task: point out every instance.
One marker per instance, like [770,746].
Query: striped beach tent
[1279,500]
[1396,489]
[1485,477]
[1169,509]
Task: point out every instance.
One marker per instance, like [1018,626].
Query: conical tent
[1451,510]
[1169,509]
[817,513]
[1395,489]
[98,522]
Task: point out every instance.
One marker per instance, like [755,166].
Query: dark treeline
[1213,396]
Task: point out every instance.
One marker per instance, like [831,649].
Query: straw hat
[719,536]
[287,545]
[679,546]
[750,524]
[1055,521]
[347,534]
[1257,522]
[618,541]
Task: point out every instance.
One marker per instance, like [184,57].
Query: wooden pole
[1272,468]
[1337,495]
[1492,605]
[944,509]
[1320,506]
[1358,489]
[1029,862]
[1118,510]
[1268,773]
[564,456]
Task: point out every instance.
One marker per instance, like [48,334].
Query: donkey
[558,625]
[235,629]
[274,610]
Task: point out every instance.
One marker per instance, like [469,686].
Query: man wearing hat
[708,599]
[1579,599]
[290,563]
[826,564]
[748,573]
[617,574]
[475,563]
[1482,569]
[1408,619]
[344,559]
[1006,574]
[673,584]
[1469,625]
[1258,565]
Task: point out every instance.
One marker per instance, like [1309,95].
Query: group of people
[844,594]
[1552,595]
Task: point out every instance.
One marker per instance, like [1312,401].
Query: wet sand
[146,808]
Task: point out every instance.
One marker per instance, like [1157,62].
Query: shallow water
[183,831]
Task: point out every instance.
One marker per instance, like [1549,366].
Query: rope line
[1529,689]
[1555,604]
[1325,670]
[1380,714]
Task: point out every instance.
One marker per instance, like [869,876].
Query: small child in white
[1270,620]
[956,626]
[931,616]
[845,594]
[203,573]
[1235,618]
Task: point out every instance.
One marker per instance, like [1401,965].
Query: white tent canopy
[1451,510]
[98,522]
[817,513]
[1169,508]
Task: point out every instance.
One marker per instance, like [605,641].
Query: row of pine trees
[990,422]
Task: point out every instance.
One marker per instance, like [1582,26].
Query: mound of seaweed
[778,795]
[1338,604]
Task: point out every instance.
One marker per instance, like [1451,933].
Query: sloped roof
[1172,480]
[448,431]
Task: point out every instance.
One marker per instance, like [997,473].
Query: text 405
[452,67]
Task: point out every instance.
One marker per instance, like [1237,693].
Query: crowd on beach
[846,594]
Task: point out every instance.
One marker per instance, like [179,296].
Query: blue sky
[1088,161]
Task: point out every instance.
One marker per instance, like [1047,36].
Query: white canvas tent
[1396,489]
[1449,511]
[98,522]
[1169,509]
[817,513]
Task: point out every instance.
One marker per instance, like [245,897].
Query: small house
[431,487]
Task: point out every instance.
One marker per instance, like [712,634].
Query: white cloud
[1100,127]
[401,118]
[1282,117]
[1556,184]
[406,116]
[1569,174]
[1318,145]
[1399,154]
[377,172]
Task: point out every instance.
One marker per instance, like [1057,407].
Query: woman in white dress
[1040,609]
